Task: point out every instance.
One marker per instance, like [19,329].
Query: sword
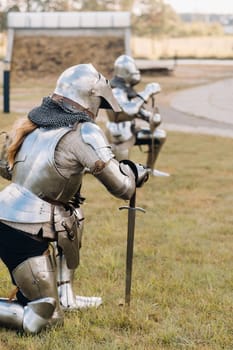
[152,129]
[130,244]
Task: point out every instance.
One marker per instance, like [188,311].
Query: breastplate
[35,168]
[36,180]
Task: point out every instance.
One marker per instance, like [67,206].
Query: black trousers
[17,246]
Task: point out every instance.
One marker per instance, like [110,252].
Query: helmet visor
[104,90]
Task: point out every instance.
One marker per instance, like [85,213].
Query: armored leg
[68,299]
[36,278]
[31,318]
[154,147]
[154,142]
[65,276]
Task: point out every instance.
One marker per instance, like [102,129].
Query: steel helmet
[84,85]
[125,68]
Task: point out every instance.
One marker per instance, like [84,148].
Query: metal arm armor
[130,107]
[118,179]
[150,89]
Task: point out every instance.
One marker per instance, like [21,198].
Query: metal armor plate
[93,135]
[20,205]
[119,132]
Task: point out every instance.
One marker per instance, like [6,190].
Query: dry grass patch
[219,47]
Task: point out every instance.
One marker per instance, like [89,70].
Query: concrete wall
[72,24]
[61,20]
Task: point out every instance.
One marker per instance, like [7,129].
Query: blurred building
[225,20]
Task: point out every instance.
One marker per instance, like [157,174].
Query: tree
[89,5]
[153,17]
[104,5]
[35,5]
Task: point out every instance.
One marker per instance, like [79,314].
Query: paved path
[185,122]
[213,101]
[207,109]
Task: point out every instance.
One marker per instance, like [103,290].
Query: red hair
[21,129]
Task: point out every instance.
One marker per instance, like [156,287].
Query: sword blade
[130,244]
[130,248]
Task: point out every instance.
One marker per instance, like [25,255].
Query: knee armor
[36,278]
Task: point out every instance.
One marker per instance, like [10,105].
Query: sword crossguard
[132,208]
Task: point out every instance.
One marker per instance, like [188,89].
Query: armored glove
[150,89]
[140,172]
[5,172]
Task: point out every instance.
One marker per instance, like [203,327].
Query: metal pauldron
[93,136]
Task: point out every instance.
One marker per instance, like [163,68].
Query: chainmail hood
[53,114]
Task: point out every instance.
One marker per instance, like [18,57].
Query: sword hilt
[132,208]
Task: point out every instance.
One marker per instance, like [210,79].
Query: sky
[202,6]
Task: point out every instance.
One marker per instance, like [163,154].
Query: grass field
[182,290]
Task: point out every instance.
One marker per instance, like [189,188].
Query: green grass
[182,287]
